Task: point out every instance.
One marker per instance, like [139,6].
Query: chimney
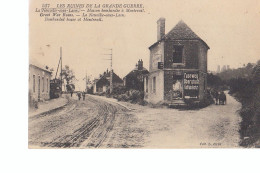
[140,64]
[160,28]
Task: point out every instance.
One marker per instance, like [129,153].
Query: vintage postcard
[144,74]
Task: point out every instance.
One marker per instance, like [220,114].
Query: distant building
[135,78]
[228,67]
[218,69]
[103,83]
[178,66]
[224,68]
[39,82]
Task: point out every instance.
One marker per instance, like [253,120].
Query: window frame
[47,87]
[34,86]
[182,54]
[43,84]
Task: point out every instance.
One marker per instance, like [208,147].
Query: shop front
[180,85]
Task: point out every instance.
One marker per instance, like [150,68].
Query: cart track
[88,128]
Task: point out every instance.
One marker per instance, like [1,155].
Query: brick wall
[203,50]
[190,53]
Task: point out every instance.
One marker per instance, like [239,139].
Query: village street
[99,122]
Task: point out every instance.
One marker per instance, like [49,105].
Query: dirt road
[216,126]
[102,123]
[79,124]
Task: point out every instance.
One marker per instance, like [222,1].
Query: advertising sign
[191,85]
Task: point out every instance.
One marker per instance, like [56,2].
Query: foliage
[214,80]
[243,72]
[133,96]
[68,75]
[70,87]
[247,91]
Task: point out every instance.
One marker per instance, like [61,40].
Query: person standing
[79,95]
[83,95]
[216,97]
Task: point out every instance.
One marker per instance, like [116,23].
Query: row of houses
[177,70]
[40,81]
[133,80]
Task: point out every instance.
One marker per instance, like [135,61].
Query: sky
[230,28]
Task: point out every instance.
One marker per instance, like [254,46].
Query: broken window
[177,54]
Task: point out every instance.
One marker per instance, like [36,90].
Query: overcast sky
[231,28]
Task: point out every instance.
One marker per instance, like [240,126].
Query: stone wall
[157,95]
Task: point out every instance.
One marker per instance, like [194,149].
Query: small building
[39,82]
[102,84]
[135,78]
[177,67]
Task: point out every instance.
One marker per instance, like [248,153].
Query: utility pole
[111,69]
[86,82]
[61,68]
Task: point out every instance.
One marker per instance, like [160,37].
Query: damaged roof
[181,31]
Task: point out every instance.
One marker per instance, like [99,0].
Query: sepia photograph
[144,74]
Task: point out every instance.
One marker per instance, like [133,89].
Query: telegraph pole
[61,68]
[111,69]
[86,82]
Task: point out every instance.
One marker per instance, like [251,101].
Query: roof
[105,78]
[181,31]
[40,67]
[135,70]
[34,62]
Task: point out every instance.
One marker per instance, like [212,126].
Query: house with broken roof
[135,78]
[102,84]
[177,66]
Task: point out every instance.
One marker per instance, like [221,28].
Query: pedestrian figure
[83,95]
[71,93]
[222,98]
[216,96]
[79,95]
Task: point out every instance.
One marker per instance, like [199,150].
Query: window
[39,86]
[34,83]
[154,84]
[47,88]
[177,54]
[42,84]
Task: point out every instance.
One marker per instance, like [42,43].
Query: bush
[133,96]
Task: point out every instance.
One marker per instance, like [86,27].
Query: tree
[69,76]
[70,87]
[213,80]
